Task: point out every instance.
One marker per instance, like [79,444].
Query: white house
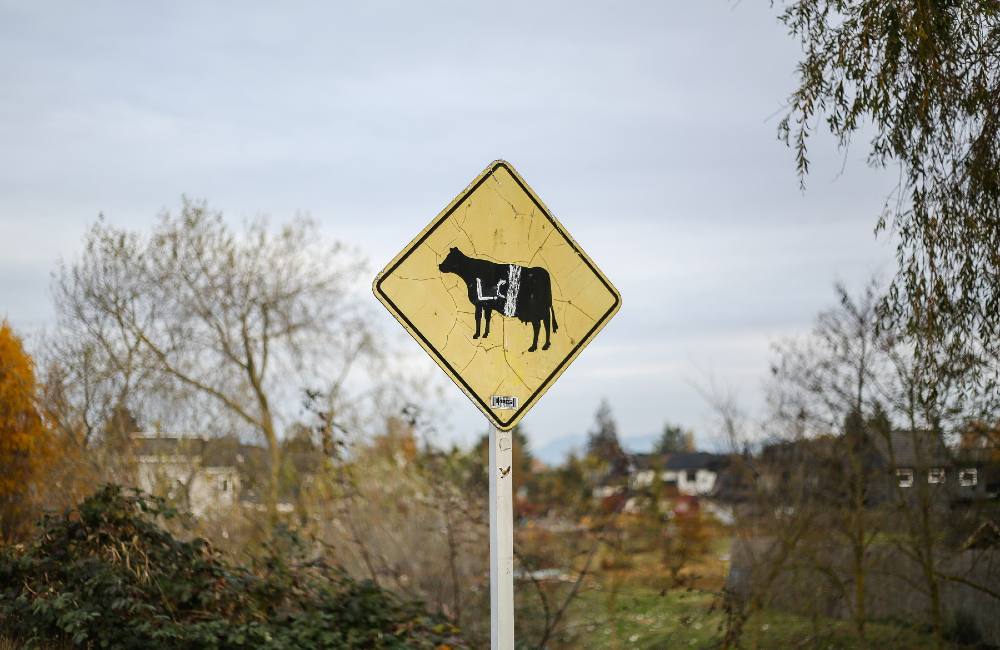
[189,468]
[693,473]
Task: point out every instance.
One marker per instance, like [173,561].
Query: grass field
[630,600]
[644,618]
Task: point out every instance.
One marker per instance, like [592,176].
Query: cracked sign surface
[498,293]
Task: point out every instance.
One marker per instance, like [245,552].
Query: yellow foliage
[24,445]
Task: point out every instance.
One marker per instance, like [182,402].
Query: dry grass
[7,643]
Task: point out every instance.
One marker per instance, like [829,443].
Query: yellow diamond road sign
[498,293]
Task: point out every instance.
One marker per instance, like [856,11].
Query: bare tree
[827,385]
[197,313]
[775,515]
[826,514]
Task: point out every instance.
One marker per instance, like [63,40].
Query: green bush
[106,574]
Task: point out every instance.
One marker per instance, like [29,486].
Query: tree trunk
[860,613]
[274,474]
[930,574]
[859,585]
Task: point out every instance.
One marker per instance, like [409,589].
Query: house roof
[677,461]
[913,449]
[167,444]
[224,451]
[799,450]
[694,460]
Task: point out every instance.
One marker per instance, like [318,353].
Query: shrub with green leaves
[107,574]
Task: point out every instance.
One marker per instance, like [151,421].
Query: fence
[818,581]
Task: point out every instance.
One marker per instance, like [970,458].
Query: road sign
[499,294]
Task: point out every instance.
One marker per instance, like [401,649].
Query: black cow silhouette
[524,292]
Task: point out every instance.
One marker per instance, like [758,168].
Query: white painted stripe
[513,286]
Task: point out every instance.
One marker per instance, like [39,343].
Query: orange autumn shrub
[25,447]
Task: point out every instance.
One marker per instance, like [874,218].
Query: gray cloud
[648,128]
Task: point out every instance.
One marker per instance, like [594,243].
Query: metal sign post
[501,540]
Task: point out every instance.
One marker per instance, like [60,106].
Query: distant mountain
[554,452]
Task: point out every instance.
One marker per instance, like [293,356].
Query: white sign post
[501,540]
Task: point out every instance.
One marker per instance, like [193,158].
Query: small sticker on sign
[503,402]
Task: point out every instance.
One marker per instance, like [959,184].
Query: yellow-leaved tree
[24,444]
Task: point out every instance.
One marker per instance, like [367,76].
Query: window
[935,475]
[968,477]
[905,477]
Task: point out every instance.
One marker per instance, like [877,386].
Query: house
[692,473]
[921,456]
[893,466]
[978,473]
[199,472]
[643,469]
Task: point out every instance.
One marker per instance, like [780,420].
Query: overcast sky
[647,128]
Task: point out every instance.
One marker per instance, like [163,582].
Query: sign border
[508,424]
